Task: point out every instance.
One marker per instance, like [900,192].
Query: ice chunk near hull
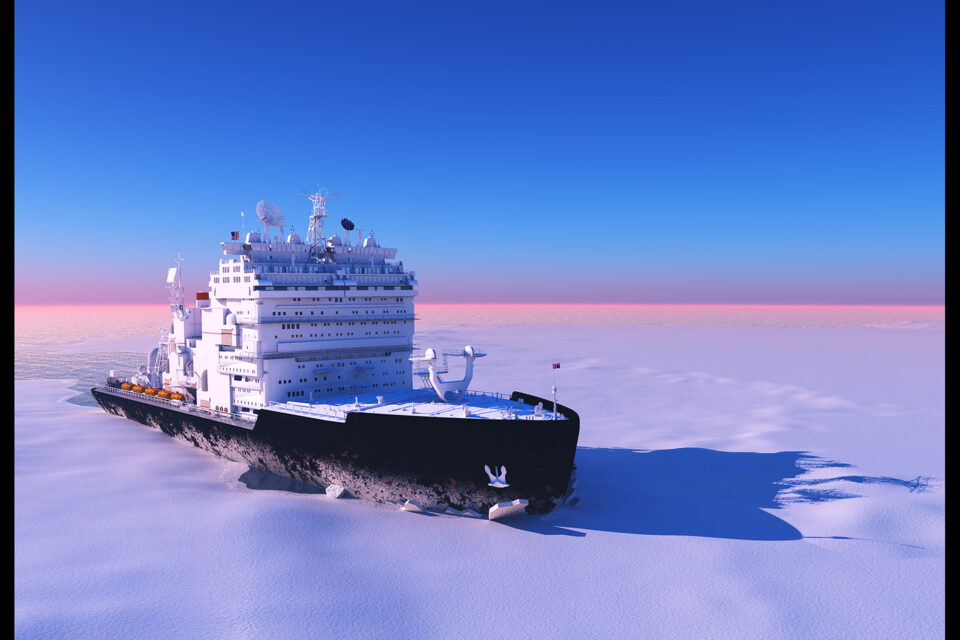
[336,491]
[506,509]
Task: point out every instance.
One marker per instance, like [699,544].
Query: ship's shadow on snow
[260,480]
[693,492]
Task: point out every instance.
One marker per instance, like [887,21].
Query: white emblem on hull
[498,481]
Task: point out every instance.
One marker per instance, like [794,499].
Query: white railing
[235,369]
[179,404]
[489,394]
[310,410]
[316,411]
[547,414]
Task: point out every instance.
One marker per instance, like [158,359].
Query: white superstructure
[322,327]
[286,320]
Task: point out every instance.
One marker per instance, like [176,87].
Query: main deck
[423,402]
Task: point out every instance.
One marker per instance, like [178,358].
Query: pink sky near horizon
[559,305]
[84,284]
[39,323]
[639,305]
[49,293]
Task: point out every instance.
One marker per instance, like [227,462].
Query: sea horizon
[47,327]
[550,304]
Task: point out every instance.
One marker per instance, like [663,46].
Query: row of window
[340,334]
[329,287]
[341,299]
[300,313]
[375,385]
[375,354]
[296,325]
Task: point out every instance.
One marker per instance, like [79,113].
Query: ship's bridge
[332,252]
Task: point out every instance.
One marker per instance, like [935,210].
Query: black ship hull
[435,462]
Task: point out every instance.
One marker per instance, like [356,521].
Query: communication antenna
[315,236]
[161,365]
[271,216]
[175,285]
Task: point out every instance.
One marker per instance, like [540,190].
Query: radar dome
[253,236]
[369,241]
[294,238]
[334,241]
[269,213]
[430,354]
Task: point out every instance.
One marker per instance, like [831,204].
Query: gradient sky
[641,152]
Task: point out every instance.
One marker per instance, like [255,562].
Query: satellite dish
[346,224]
[270,214]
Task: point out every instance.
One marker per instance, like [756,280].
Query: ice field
[735,482]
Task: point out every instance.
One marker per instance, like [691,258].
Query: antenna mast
[315,234]
[175,284]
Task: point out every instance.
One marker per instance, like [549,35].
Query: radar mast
[315,236]
[175,284]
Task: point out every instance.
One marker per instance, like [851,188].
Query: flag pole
[556,366]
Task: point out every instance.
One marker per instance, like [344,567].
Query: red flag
[556,365]
[234,235]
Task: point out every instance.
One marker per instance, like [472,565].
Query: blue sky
[715,152]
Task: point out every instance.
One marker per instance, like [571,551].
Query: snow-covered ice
[733,482]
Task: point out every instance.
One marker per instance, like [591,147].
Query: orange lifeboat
[163,393]
[127,386]
[137,387]
[151,391]
[176,396]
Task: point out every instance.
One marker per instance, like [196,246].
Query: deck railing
[308,410]
[179,404]
[311,410]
